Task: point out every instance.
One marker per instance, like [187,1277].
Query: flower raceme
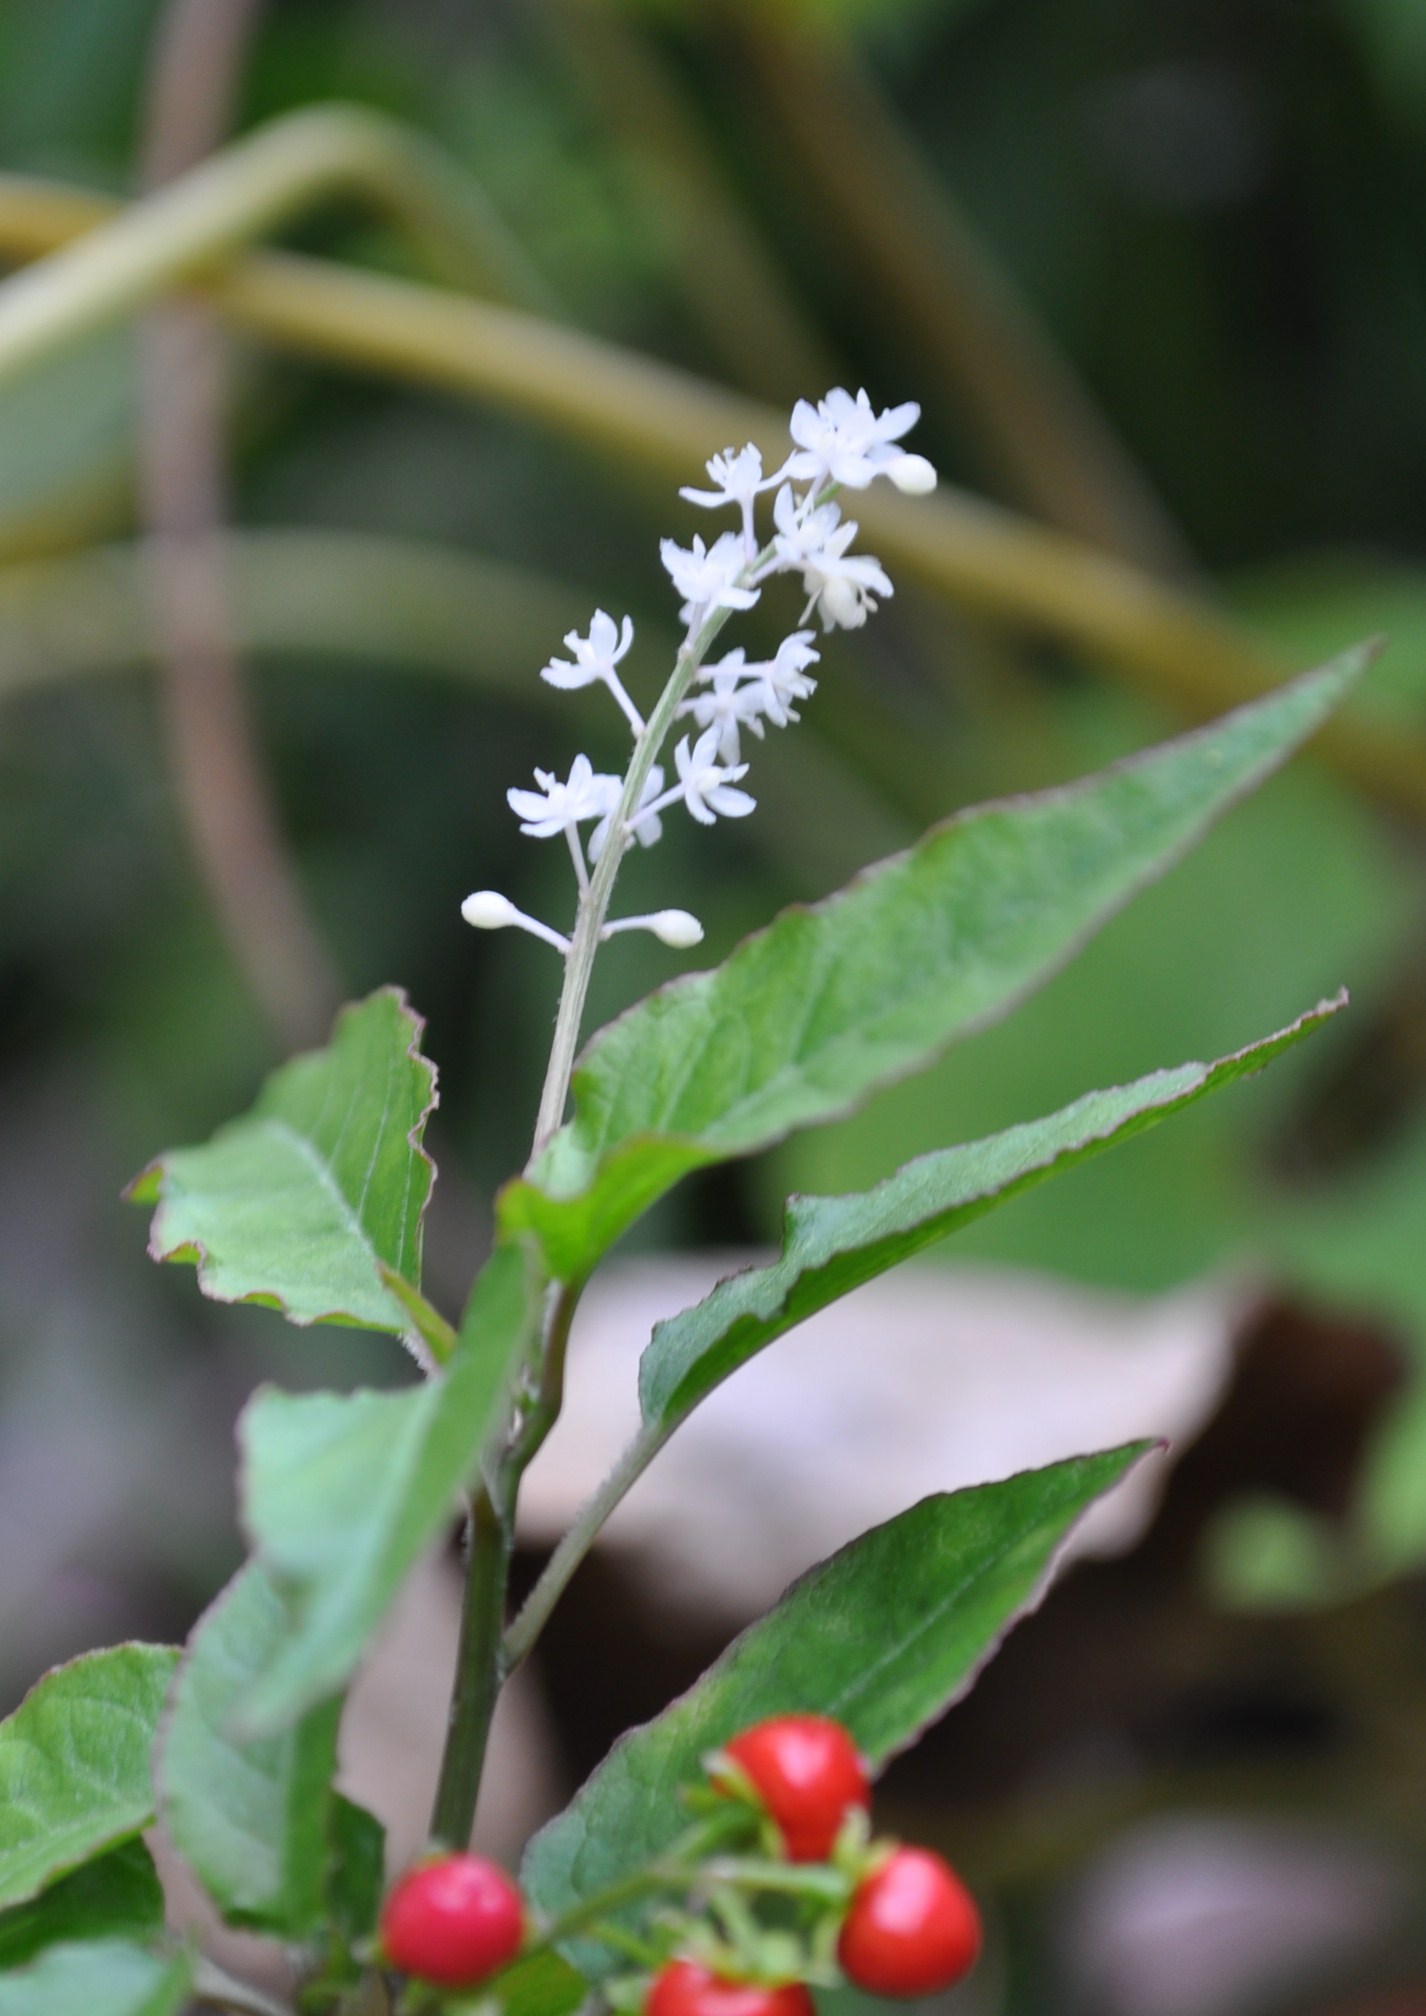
[840,442]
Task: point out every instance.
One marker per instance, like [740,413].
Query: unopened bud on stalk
[912,474]
[675,927]
[488,910]
[678,928]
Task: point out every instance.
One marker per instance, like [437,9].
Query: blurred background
[279,564]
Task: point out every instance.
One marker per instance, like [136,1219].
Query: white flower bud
[678,928]
[912,474]
[488,910]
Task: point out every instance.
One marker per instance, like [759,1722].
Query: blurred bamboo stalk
[351,598]
[917,257]
[259,184]
[733,288]
[223,793]
[356,599]
[1152,637]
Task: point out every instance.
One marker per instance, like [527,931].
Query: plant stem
[482,1660]
[679,1869]
[478,1673]
[594,901]
[559,1570]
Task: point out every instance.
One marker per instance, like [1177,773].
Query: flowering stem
[595,898]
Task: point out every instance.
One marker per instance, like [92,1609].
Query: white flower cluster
[839,443]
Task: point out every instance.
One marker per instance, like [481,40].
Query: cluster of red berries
[909,1926]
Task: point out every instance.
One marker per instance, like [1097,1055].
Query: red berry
[452,1919]
[912,1927]
[808,1774]
[683,1988]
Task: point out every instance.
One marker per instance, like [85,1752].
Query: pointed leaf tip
[811,1015]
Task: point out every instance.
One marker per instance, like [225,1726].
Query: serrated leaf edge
[150,1180]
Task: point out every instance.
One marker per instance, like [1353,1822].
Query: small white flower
[558,808]
[730,702]
[802,532]
[738,479]
[844,440]
[705,785]
[843,586]
[647,827]
[594,658]
[707,577]
[785,678]
[839,585]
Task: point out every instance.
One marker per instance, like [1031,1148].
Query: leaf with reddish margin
[298,1204]
[75,1778]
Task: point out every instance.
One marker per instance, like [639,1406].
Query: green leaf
[100,1977]
[828,1003]
[833,1244]
[251,1818]
[74,1764]
[883,1636]
[356,1880]
[298,1204]
[118,1896]
[343,1491]
[543,1985]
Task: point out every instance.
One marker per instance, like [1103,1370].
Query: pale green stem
[678,1870]
[575,1544]
[594,901]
